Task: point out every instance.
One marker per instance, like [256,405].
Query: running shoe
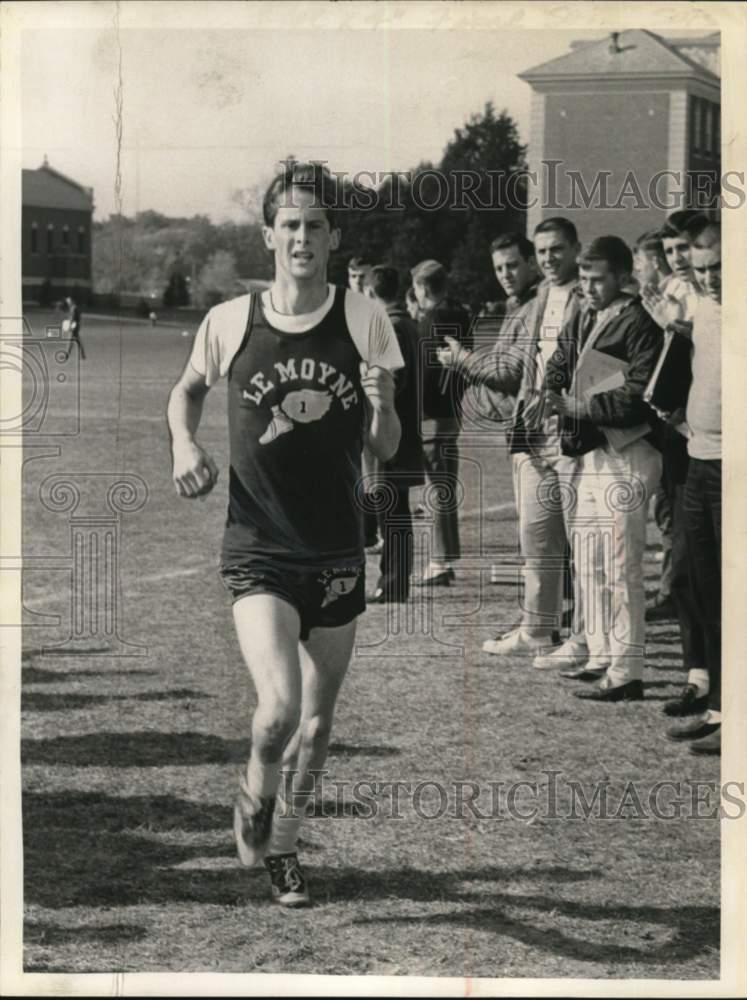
[252,824]
[288,882]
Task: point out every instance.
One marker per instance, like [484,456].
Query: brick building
[622,129]
[55,236]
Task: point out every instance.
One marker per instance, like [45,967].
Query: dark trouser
[675,466]
[702,509]
[370,527]
[663,515]
[75,339]
[441,460]
[395,564]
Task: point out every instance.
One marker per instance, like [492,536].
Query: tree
[471,274]
[449,211]
[485,164]
[217,281]
[177,292]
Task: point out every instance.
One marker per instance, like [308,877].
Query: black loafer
[582,674]
[632,691]
[696,729]
[688,703]
[708,746]
[442,579]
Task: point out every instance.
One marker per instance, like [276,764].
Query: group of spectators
[604,372]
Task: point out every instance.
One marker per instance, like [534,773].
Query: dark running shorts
[325,598]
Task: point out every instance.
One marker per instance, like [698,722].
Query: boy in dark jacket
[441,411]
[595,382]
[405,469]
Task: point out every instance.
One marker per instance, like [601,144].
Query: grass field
[129,763]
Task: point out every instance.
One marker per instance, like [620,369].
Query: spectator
[442,393]
[539,466]
[513,262]
[653,274]
[673,304]
[411,304]
[405,469]
[702,497]
[609,430]
[359,269]
[680,291]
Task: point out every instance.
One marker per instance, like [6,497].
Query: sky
[207,113]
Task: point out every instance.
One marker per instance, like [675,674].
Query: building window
[81,240]
[697,121]
[50,238]
[713,145]
[34,238]
[66,237]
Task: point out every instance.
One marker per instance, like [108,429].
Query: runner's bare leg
[324,659]
[268,630]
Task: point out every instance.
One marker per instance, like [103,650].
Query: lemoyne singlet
[296,416]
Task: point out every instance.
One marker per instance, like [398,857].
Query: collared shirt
[550,327]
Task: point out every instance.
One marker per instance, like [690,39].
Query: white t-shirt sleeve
[219,338]
[372,332]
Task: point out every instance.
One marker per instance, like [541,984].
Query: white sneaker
[514,643]
[571,654]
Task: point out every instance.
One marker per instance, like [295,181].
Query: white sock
[712,717]
[286,820]
[699,678]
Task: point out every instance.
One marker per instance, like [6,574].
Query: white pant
[608,527]
[545,498]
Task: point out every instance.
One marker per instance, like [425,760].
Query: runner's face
[677,252]
[599,284]
[301,238]
[555,256]
[513,272]
[706,264]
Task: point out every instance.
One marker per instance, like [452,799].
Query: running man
[309,369]
[72,326]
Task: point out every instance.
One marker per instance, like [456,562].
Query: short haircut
[650,242]
[384,282]
[705,233]
[558,224]
[313,177]
[434,283]
[518,240]
[355,263]
[679,223]
[611,249]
